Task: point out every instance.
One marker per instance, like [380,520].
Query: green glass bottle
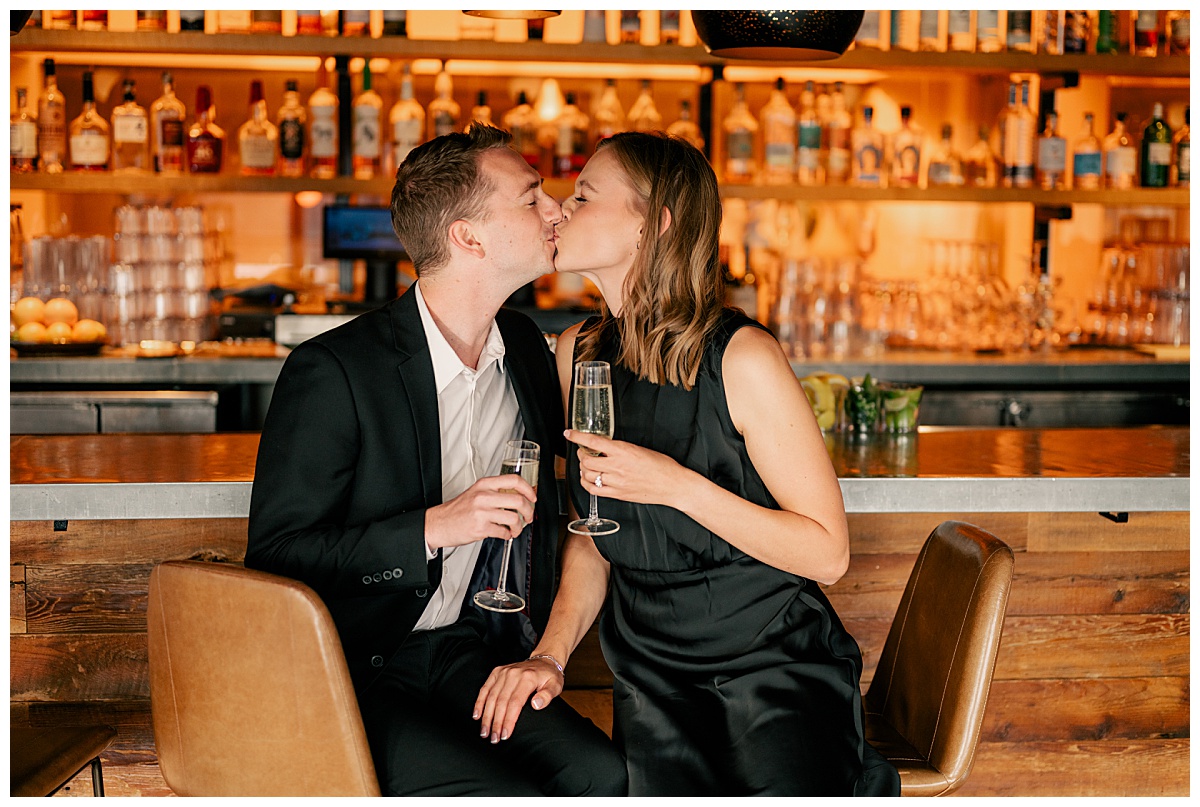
[1156,151]
[1106,39]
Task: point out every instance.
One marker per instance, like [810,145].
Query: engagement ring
[599,481]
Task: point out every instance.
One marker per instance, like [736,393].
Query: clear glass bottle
[395,22]
[808,138]
[367,128]
[740,129]
[668,27]
[610,115]
[631,27]
[323,128]
[22,137]
[356,22]
[258,138]
[1020,132]
[867,143]
[906,151]
[777,122]
[685,128]
[837,130]
[570,145]
[1051,156]
[444,111]
[979,163]
[931,31]
[521,122]
[88,134]
[407,121]
[481,112]
[1088,163]
[960,30]
[1145,32]
[1179,32]
[905,29]
[595,27]
[1020,32]
[130,133]
[1106,32]
[205,140]
[1183,152]
[1156,151]
[167,129]
[292,118]
[987,32]
[1120,157]
[52,124]
[945,167]
[870,31]
[644,115]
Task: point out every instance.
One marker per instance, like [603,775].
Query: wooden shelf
[1167,197]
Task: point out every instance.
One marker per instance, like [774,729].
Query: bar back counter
[1091,691]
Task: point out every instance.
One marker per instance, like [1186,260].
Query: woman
[732,673]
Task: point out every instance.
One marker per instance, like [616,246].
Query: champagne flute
[592,413]
[520,457]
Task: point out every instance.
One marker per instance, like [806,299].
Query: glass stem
[593,516]
[501,588]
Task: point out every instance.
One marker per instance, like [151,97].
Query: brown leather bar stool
[249,690]
[926,702]
[44,759]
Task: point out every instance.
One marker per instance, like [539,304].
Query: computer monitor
[365,233]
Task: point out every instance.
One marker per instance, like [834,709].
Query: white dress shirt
[478,413]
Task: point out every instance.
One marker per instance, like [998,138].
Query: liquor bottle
[570,145]
[906,152]
[308,22]
[407,121]
[292,118]
[979,163]
[945,166]
[481,111]
[1020,32]
[931,35]
[1145,33]
[205,140]
[331,23]
[867,142]
[443,110]
[610,116]
[88,133]
[1179,32]
[1106,32]
[837,132]
[777,121]
[130,133]
[258,138]
[1120,158]
[152,20]
[1051,156]
[233,21]
[266,22]
[52,124]
[520,120]
[323,128]
[60,19]
[987,32]
[535,30]
[870,31]
[740,129]
[685,128]
[167,126]
[368,129]
[93,20]
[22,138]
[1088,164]
[595,27]
[644,115]
[192,21]
[905,33]
[960,30]
[355,22]
[808,138]
[631,27]
[1183,152]
[1018,138]
[1156,151]
[395,22]
[668,27]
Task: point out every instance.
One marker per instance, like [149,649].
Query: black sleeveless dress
[731,677]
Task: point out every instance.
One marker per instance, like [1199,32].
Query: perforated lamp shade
[791,36]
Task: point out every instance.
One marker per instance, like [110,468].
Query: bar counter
[154,476]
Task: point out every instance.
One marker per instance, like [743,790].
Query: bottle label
[291,139]
[366,132]
[257,152]
[740,145]
[909,162]
[1159,153]
[406,135]
[940,173]
[1087,164]
[1183,162]
[171,132]
[780,156]
[443,123]
[808,135]
[1052,154]
[130,129]
[52,121]
[928,26]
[324,132]
[1022,174]
[808,159]
[22,140]
[839,162]
[870,158]
[1121,162]
[959,22]
[1020,27]
[89,149]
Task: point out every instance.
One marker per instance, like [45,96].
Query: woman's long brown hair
[674,292]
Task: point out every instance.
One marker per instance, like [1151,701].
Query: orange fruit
[58,332]
[88,330]
[32,332]
[60,309]
[28,309]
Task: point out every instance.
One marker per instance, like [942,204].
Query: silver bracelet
[551,659]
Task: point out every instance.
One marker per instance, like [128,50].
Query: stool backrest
[249,690]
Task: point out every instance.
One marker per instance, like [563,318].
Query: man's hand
[494,507]
[507,690]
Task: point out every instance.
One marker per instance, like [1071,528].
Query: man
[374,483]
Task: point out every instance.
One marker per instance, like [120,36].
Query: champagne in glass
[521,457]
[592,413]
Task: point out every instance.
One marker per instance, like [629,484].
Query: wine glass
[592,413]
[520,457]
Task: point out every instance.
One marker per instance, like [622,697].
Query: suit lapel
[416,375]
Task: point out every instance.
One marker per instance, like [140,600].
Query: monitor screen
[360,232]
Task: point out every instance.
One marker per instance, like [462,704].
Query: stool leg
[97,778]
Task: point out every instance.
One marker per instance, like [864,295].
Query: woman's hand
[507,690]
[626,471]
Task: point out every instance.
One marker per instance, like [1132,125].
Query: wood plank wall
[1091,693]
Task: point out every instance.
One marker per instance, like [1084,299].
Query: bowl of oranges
[54,328]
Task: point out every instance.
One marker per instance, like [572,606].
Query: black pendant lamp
[792,36]
[512,14]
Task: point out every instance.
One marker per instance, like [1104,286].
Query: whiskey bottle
[644,115]
[668,27]
[777,121]
[395,22]
[837,133]
[367,128]
[130,134]
[1020,32]
[960,30]
[292,118]
[740,128]
[443,110]
[356,22]
[258,138]
[167,129]
[1156,151]
[987,32]
[323,128]
[205,140]
[868,152]
[520,121]
[1120,158]
[1051,156]
[481,112]
[1183,152]
[1087,165]
[979,163]
[686,128]
[406,121]
[88,133]
[52,124]
[906,152]
[610,115]
[570,147]
[930,31]
[308,22]
[1145,33]
[22,138]
[945,168]
[631,27]
[808,138]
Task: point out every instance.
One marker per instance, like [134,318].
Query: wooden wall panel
[904,533]
[128,541]
[87,598]
[79,667]
[131,719]
[1117,646]
[1085,532]
[1101,583]
[16,598]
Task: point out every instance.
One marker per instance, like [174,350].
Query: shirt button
[376,661]
[387,575]
[366,579]
[377,577]
[397,572]
[422,593]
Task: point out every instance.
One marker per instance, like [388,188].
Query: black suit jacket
[350,459]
